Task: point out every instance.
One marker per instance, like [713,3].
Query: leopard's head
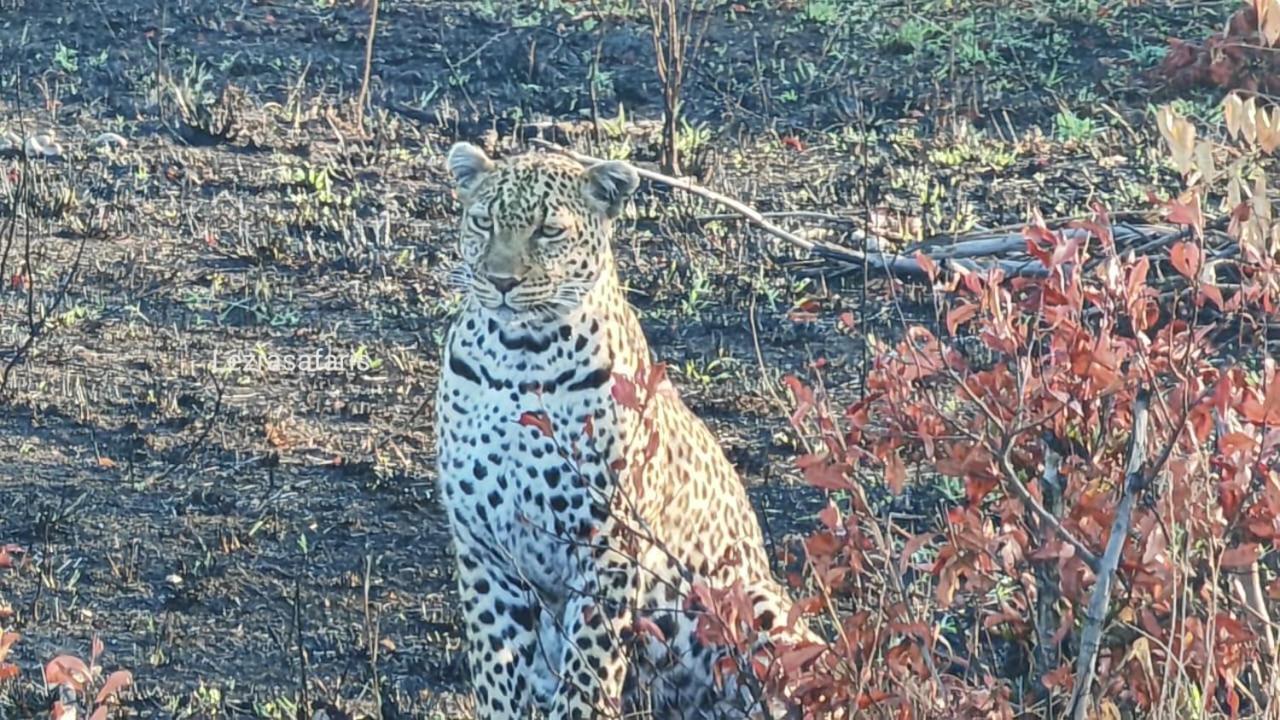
[535,229]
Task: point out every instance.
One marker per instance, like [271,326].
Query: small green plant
[315,180]
[206,700]
[699,294]
[709,372]
[1069,127]
[66,59]
[911,36]
[823,12]
[282,708]
[615,128]
[362,360]
[951,156]
[692,138]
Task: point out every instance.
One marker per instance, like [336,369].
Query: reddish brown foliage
[1241,57]
[1028,365]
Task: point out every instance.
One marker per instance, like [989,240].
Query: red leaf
[1059,678]
[624,391]
[8,671]
[652,448]
[537,420]
[829,516]
[114,683]
[805,402]
[805,311]
[1185,257]
[8,553]
[67,670]
[1184,213]
[1236,442]
[62,712]
[1241,556]
[895,473]
[1034,249]
[796,659]
[928,265]
[824,474]
[1212,294]
[644,625]
[794,143]
[1137,279]
[1064,250]
[6,643]
[959,315]
[910,548]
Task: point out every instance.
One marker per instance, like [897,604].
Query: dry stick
[371,628]
[363,97]
[746,211]
[198,442]
[304,698]
[1135,481]
[1046,573]
[890,264]
[983,243]
[1025,497]
[36,328]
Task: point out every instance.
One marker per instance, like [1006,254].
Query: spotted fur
[567,545]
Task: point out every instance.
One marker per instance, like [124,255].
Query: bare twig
[36,328]
[675,44]
[1046,619]
[371,626]
[1014,483]
[363,98]
[1135,482]
[198,442]
[304,696]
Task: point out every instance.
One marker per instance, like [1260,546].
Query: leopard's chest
[527,432]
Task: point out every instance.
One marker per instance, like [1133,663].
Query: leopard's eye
[483,223]
[550,232]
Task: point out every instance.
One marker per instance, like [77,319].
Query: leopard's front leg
[598,626]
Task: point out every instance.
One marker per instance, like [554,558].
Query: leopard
[582,519]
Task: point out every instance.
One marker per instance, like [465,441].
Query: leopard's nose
[505,283]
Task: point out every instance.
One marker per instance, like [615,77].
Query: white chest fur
[517,496]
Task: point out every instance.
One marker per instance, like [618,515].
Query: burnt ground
[241,538]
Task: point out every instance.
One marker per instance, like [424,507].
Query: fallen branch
[1135,482]
[976,253]
[890,264]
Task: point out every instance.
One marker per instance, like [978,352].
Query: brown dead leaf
[1180,135]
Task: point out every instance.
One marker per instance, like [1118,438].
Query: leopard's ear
[468,164]
[607,186]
